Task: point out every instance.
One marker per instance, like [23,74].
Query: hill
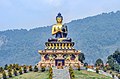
[32,75]
[97,37]
[83,74]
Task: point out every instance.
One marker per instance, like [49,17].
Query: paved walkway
[61,73]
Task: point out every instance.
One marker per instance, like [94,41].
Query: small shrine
[59,51]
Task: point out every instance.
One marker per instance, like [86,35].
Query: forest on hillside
[96,36]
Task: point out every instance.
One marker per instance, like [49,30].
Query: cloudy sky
[27,14]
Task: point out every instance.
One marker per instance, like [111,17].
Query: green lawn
[82,74]
[33,75]
[0,75]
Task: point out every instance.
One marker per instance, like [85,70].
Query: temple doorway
[59,62]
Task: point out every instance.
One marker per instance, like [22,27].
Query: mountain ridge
[96,36]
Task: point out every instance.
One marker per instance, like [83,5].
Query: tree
[116,67]
[81,57]
[114,60]
[111,63]
[116,56]
[99,62]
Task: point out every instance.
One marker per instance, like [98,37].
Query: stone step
[61,73]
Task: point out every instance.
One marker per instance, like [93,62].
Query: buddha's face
[59,20]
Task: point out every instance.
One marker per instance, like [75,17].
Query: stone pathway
[61,73]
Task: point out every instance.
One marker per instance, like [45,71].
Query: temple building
[59,51]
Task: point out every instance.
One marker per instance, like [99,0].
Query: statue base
[59,53]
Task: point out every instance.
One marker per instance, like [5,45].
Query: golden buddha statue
[59,30]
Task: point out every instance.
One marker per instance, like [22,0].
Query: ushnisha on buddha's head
[59,18]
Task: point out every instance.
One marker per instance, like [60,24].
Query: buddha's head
[59,18]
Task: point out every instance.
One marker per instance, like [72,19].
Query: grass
[82,74]
[32,75]
[0,75]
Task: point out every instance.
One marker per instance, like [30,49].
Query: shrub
[97,70]
[20,71]
[10,74]
[17,66]
[25,69]
[35,69]
[15,72]
[6,67]
[50,73]
[10,66]
[119,76]
[42,68]
[1,69]
[110,72]
[104,69]
[4,75]
[78,68]
[113,76]
[72,75]
[9,70]
[30,68]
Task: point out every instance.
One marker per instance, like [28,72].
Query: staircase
[61,73]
